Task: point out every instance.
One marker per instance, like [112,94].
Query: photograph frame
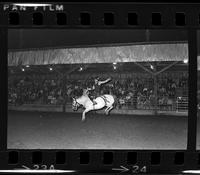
[191,155]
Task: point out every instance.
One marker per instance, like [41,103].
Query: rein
[77,102]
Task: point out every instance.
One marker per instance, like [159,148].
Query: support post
[155,89]
[64,91]
[156,95]
[144,68]
[164,69]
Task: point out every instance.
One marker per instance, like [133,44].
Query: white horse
[101,101]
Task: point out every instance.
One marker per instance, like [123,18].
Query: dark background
[24,39]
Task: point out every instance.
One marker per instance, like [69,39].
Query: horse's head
[80,101]
[75,104]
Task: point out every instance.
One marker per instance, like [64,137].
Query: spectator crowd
[132,92]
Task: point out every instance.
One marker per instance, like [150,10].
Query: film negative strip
[99,88]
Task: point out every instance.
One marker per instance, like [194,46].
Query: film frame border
[96,10]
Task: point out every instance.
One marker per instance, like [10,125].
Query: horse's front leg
[83,115]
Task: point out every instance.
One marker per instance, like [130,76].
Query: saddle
[93,101]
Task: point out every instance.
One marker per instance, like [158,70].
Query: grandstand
[132,85]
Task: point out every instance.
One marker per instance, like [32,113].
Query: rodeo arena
[141,101]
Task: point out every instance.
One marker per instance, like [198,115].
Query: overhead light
[27,66]
[185,61]
[31,5]
[151,66]
[114,67]
[191,171]
[50,68]
[80,69]
[114,63]
[23,69]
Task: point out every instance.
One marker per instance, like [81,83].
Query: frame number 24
[138,169]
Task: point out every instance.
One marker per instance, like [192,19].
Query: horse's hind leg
[108,110]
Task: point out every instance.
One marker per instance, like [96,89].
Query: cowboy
[97,86]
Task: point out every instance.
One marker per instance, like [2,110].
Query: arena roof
[66,46]
[127,53]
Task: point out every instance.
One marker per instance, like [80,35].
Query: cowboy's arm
[105,81]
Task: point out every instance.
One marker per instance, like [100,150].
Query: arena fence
[181,104]
[129,107]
